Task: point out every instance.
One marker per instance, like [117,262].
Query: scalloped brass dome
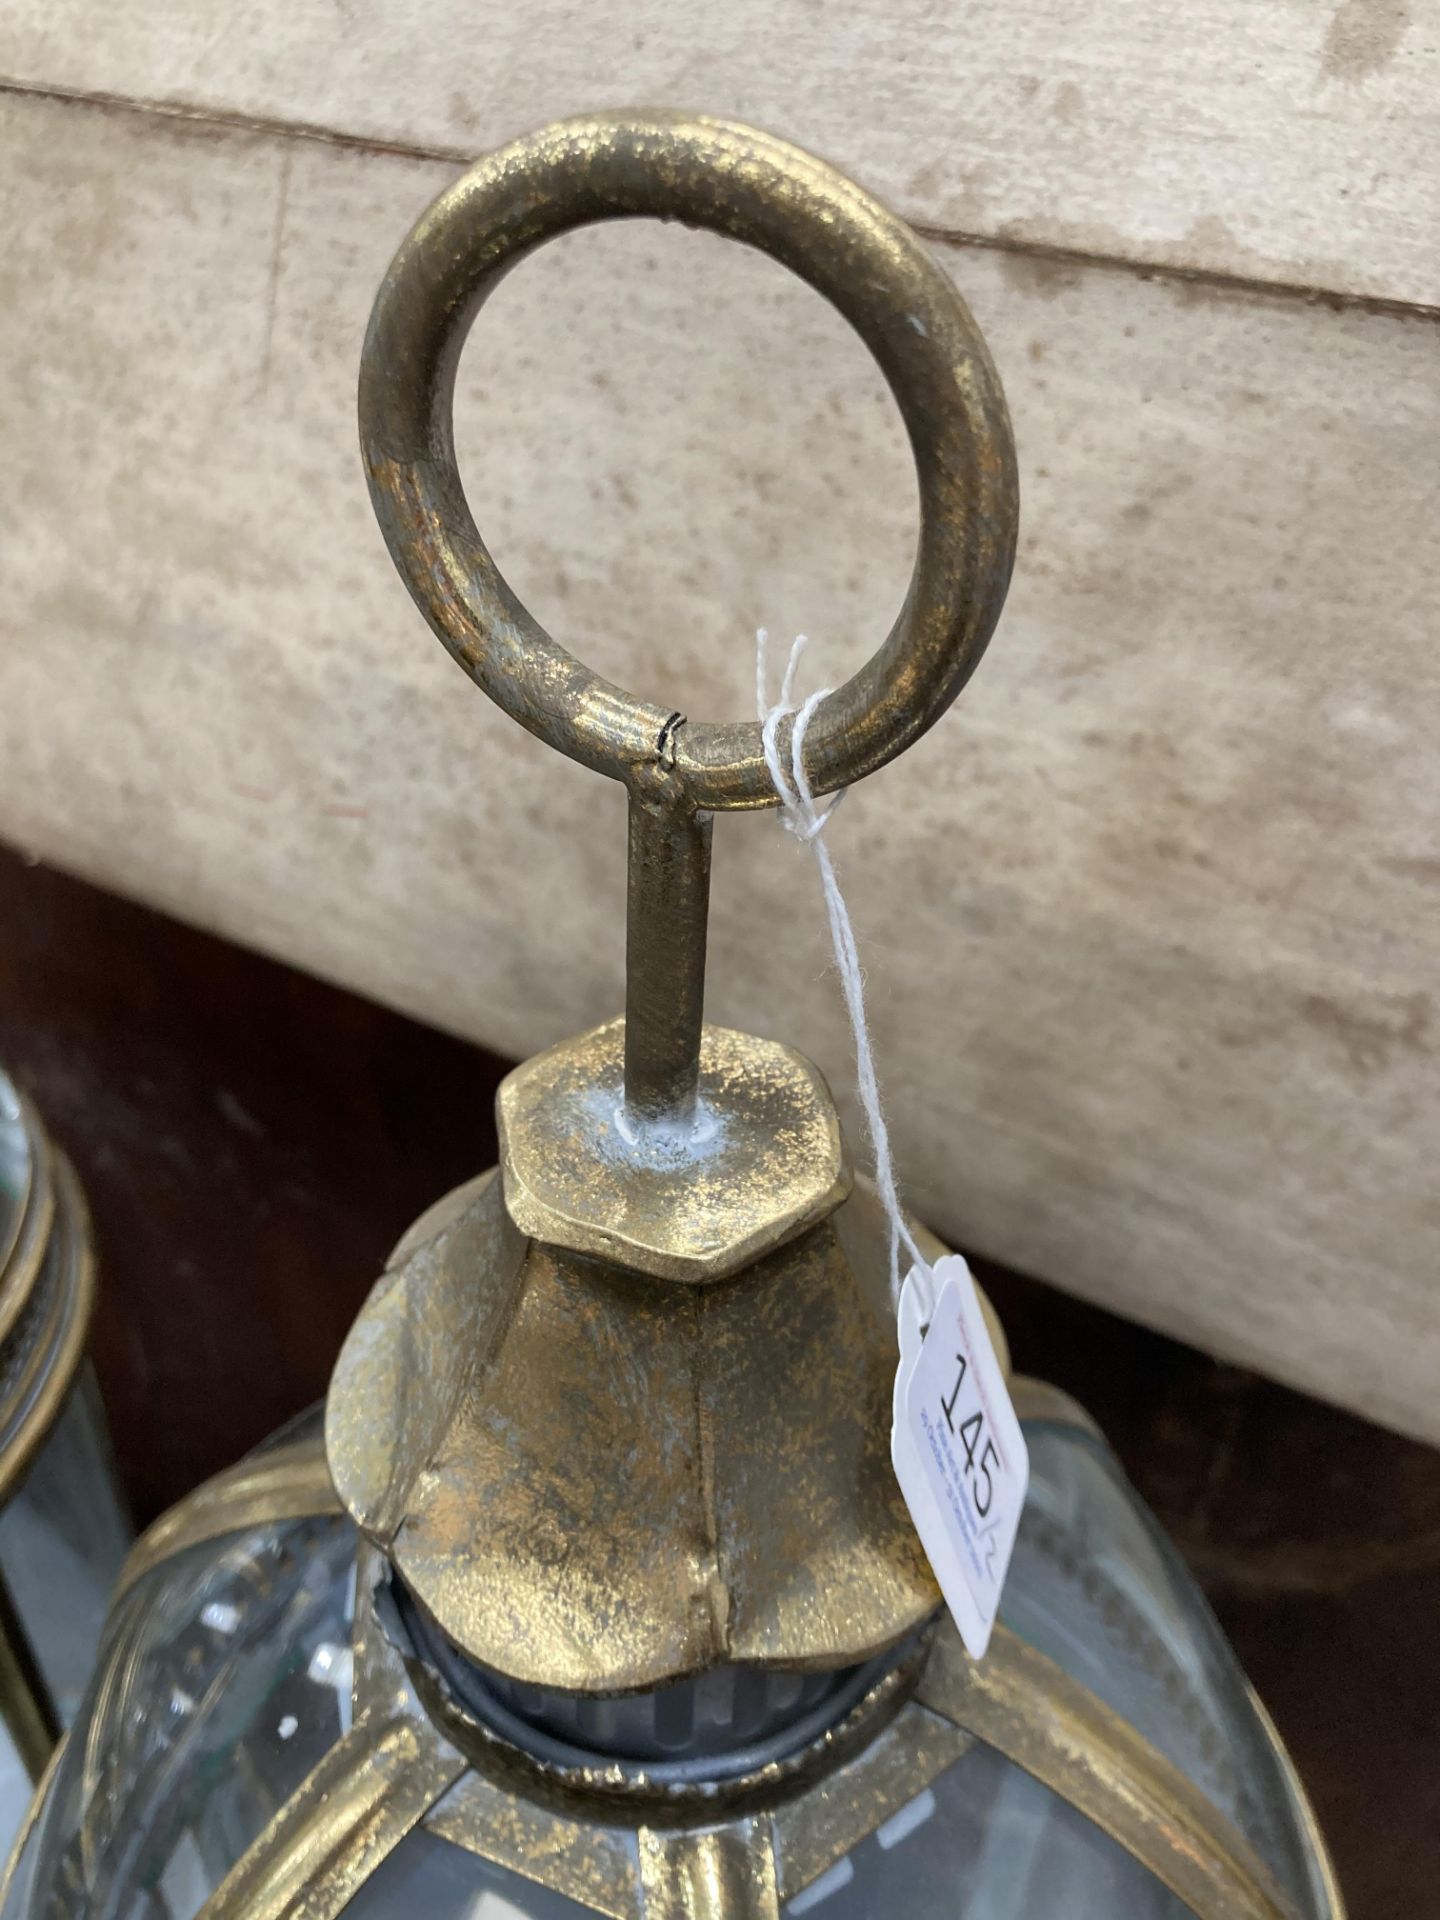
[597,1480]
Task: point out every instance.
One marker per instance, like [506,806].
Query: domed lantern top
[598,1593]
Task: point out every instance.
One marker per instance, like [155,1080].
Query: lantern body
[227,1671]
[64,1531]
[63,1540]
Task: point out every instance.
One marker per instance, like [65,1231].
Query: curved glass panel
[430,1876]
[224,1679]
[1095,1584]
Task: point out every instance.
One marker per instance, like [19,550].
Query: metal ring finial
[735,181]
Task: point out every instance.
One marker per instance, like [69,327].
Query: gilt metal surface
[817,1828]
[667,911]
[598,1481]
[869,264]
[1028,1709]
[597,1862]
[709,1873]
[286,1482]
[814,1815]
[760,1160]
[773,196]
[576,1854]
[651,1791]
[371,1789]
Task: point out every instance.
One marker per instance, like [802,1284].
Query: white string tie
[800,816]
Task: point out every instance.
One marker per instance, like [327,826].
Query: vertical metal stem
[666,922]
[25,1703]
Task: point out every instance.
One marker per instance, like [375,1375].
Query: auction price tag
[957,1448]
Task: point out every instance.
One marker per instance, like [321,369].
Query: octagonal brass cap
[761,1160]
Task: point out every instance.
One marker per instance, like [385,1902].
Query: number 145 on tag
[958,1451]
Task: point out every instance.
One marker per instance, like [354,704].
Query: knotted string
[800,816]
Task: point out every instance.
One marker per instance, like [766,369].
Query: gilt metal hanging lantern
[594,1591]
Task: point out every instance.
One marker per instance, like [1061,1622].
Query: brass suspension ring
[735,181]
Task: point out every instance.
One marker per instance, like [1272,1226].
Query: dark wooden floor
[253,1141]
